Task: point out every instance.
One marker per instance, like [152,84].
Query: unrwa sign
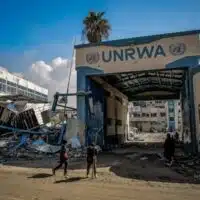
[136,53]
[133,53]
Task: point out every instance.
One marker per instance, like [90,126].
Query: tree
[96,27]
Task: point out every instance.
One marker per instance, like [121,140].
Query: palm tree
[96,27]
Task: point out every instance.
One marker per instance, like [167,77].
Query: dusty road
[37,184]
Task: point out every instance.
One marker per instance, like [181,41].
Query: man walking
[91,159]
[63,159]
[169,148]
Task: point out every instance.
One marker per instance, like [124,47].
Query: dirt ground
[118,178]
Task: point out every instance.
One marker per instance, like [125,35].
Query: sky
[36,36]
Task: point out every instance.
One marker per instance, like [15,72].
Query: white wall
[4,74]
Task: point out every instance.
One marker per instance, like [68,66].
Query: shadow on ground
[149,167]
[40,175]
[70,180]
[104,160]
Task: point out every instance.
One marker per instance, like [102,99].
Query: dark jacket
[91,153]
[169,147]
[63,153]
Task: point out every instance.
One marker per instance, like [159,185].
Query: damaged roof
[147,85]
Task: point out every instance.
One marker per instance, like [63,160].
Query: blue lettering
[159,51]
[109,56]
[118,55]
[129,53]
[145,50]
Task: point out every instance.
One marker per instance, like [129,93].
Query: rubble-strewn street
[125,175]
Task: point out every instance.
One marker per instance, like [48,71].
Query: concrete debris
[133,156]
[116,163]
[45,148]
[189,167]
[144,158]
[147,137]
[30,149]
[23,137]
[197,177]
[4,143]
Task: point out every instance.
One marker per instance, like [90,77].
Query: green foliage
[96,27]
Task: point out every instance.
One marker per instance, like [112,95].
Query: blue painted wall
[84,84]
[95,114]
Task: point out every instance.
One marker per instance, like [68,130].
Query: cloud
[54,76]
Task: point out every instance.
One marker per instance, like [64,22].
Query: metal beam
[129,93]
[171,78]
[158,75]
[147,77]
[19,131]
[157,97]
[152,85]
[66,107]
[80,93]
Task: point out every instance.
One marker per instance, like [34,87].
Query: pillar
[83,85]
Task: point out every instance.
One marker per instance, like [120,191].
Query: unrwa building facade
[162,66]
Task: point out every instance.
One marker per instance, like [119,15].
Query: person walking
[177,137]
[169,148]
[91,160]
[63,160]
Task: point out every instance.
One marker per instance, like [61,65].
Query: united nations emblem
[177,49]
[92,58]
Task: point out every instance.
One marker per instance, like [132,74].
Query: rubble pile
[150,157]
[10,149]
[27,155]
[188,166]
[22,137]
[147,137]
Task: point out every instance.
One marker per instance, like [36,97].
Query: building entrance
[108,109]
[160,67]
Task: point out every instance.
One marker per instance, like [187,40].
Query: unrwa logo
[177,49]
[92,58]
